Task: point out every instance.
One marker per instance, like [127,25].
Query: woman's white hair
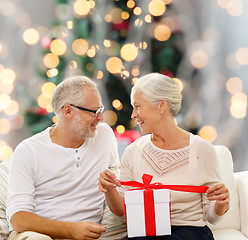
[70,91]
[156,86]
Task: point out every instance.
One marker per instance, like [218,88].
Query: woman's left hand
[219,193]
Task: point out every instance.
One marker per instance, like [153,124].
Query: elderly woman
[173,156]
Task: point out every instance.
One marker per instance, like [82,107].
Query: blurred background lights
[143,45]
[58,47]
[5,126]
[6,87]
[242,56]
[137,11]
[234,85]
[208,133]
[114,65]
[99,75]
[31,36]
[53,72]
[80,46]
[5,152]
[69,24]
[162,32]
[81,7]
[17,122]
[5,101]
[125,15]
[148,18]
[117,104]
[7,76]
[107,43]
[47,89]
[110,117]
[120,129]
[8,8]
[116,15]
[199,59]
[12,109]
[156,7]
[55,119]
[51,60]
[129,52]
[238,105]
[130,4]
[43,101]
[235,8]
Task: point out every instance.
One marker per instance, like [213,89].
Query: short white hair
[70,91]
[156,86]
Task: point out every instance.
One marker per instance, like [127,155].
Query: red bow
[147,185]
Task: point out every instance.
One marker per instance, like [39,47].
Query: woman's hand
[107,181]
[219,193]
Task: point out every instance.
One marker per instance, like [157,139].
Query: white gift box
[148,216]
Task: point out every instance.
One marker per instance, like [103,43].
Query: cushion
[232,218]
[4,171]
[228,234]
[242,184]
[116,226]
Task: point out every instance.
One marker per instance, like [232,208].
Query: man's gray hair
[156,86]
[70,91]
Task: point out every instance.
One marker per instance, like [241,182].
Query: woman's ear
[163,105]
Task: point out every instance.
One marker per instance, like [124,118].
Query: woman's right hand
[107,181]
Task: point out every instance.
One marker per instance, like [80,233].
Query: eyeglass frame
[96,112]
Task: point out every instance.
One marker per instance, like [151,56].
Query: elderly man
[53,178]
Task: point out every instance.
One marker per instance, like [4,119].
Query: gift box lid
[137,196]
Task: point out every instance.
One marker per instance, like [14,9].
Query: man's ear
[67,110]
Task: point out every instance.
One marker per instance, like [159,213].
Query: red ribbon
[149,207]
[147,185]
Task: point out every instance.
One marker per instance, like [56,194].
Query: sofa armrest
[242,186]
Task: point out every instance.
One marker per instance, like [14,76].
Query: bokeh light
[110,117]
[7,76]
[120,129]
[5,126]
[53,72]
[12,109]
[156,7]
[5,101]
[116,15]
[51,60]
[58,47]
[234,85]
[31,36]
[162,32]
[238,106]
[80,46]
[99,75]
[130,4]
[208,133]
[242,56]
[117,104]
[43,101]
[81,8]
[235,8]
[5,152]
[129,52]
[47,89]
[199,59]
[114,65]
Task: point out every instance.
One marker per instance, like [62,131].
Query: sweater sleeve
[21,197]
[210,173]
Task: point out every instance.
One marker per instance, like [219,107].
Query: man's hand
[87,230]
[220,193]
[107,181]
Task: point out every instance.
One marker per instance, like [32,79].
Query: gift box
[148,212]
[148,207]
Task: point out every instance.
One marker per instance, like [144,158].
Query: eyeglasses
[96,112]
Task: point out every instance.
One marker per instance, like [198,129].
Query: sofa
[232,226]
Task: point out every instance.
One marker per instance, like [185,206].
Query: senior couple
[60,177]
